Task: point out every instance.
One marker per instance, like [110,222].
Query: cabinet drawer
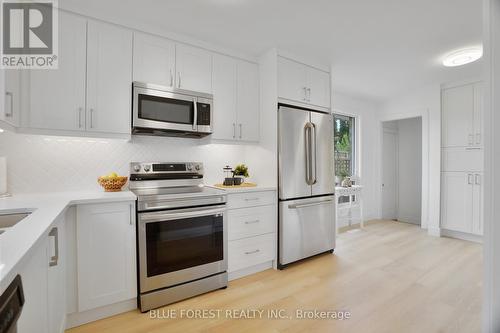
[248,222]
[462,159]
[250,199]
[251,251]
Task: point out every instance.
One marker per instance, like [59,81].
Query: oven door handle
[165,216]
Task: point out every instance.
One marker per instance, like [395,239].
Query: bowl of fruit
[112,182]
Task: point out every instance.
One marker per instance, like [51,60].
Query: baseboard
[432,231]
[250,270]
[409,219]
[462,235]
[80,318]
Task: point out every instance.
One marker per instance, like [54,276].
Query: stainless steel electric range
[181,233]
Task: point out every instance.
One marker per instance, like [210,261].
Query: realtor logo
[29,37]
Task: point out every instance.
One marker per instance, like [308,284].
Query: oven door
[163,110]
[177,246]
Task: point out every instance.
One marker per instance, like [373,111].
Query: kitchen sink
[8,220]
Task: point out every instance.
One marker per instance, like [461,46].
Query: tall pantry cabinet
[462,159]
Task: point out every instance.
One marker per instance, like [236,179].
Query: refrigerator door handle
[313,158]
[307,133]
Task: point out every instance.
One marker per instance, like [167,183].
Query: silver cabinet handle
[471,139]
[171,78]
[252,222]
[469,179]
[234,130]
[478,138]
[477,179]
[315,203]
[11,113]
[91,118]
[132,213]
[252,199]
[179,83]
[80,109]
[305,93]
[309,94]
[252,252]
[241,126]
[472,148]
[55,258]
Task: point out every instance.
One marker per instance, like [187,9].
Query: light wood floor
[391,276]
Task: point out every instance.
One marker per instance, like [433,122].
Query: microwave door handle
[195,118]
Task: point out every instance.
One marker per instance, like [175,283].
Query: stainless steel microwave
[167,111]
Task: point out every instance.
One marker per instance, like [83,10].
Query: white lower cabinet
[43,278]
[252,220]
[106,254]
[462,202]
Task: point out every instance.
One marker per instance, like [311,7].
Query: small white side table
[355,190]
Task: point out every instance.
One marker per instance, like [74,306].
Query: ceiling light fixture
[463,56]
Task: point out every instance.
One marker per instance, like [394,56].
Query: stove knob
[147,168]
[197,167]
[189,167]
[137,168]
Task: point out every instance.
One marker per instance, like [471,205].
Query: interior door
[307,228]
[324,172]
[389,175]
[292,153]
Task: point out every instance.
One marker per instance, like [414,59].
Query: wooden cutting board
[236,186]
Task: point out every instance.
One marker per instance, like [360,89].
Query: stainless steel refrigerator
[306,184]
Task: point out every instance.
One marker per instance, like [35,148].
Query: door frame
[422,113]
[396,182]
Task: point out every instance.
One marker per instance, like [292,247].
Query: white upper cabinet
[57,97]
[236,99]
[154,60]
[248,102]
[224,91]
[109,78]
[302,83]
[12,97]
[462,116]
[193,69]
[292,78]
[318,87]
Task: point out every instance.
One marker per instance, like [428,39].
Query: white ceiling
[378,48]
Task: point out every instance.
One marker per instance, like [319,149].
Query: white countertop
[16,242]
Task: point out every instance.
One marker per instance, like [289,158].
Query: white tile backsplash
[51,164]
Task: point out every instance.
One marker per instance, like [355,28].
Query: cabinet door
[34,317]
[292,80]
[458,116]
[477,206]
[106,254]
[109,78]
[57,97]
[478,114]
[194,69]
[318,85]
[248,104]
[457,201]
[57,277]
[12,97]
[154,60]
[224,85]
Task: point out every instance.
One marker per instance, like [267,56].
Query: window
[344,135]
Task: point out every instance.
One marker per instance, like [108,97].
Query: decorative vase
[347,182]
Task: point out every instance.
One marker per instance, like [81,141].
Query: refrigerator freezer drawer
[306,228]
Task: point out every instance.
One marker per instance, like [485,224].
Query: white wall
[410,170]
[367,131]
[426,103]
[52,164]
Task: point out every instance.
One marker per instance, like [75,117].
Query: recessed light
[1,130]
[463,56]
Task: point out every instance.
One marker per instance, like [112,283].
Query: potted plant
[240,173]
